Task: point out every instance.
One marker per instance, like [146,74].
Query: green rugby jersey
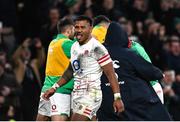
[57,62]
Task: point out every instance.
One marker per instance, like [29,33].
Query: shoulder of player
[75,44]
[95,41]
[67,41]
[134,43]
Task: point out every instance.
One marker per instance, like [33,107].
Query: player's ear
[91,27]
[68,30]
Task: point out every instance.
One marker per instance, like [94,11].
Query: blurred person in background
[168,14]
[108,9]
[69,8]
[49,30]
[127,25]
[8,28]
[177,26]
[153,43]
[89,12]
[74,8]
[139,10]
[123,21]
[173,56]
[171,89]
[8,39]
[166,46]
[58,107]
[164,14]
[9,93]
[27,74]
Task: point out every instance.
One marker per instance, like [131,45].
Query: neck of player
[86,41]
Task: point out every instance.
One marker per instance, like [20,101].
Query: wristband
[55,86]
[117,96]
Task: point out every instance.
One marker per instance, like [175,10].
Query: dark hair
[100,18]
[63,23]
[173,39]
[83,17]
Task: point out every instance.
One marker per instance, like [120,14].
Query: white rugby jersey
[86,61]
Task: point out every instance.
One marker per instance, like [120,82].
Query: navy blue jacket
[140,100]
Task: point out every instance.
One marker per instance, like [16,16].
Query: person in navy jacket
[133,72]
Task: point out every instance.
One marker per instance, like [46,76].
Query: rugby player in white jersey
[89,58]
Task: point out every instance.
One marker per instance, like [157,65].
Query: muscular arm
[110,73]
[105,62]
[67,76]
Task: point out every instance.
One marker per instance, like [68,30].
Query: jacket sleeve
[144,69]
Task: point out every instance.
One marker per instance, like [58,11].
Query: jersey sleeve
[102,55]
[66,46]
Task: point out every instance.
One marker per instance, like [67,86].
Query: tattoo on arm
[68,74]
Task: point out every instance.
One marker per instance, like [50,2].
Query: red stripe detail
[88,110]
[103,57]
[104,60]
[86,113]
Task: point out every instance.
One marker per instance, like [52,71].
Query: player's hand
[118,106]
[48,93]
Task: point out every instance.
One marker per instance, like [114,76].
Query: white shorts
[159,91]
[59,104]
[88,103]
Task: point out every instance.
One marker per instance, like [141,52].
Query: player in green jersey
[58,107]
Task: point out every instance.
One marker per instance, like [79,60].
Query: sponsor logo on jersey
[116,64]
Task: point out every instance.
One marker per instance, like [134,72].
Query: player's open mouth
[78,36]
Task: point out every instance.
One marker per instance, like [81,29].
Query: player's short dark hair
[83,17]
[100,18]
[63,23]
[174,39]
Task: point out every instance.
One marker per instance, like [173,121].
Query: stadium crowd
[28,26]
